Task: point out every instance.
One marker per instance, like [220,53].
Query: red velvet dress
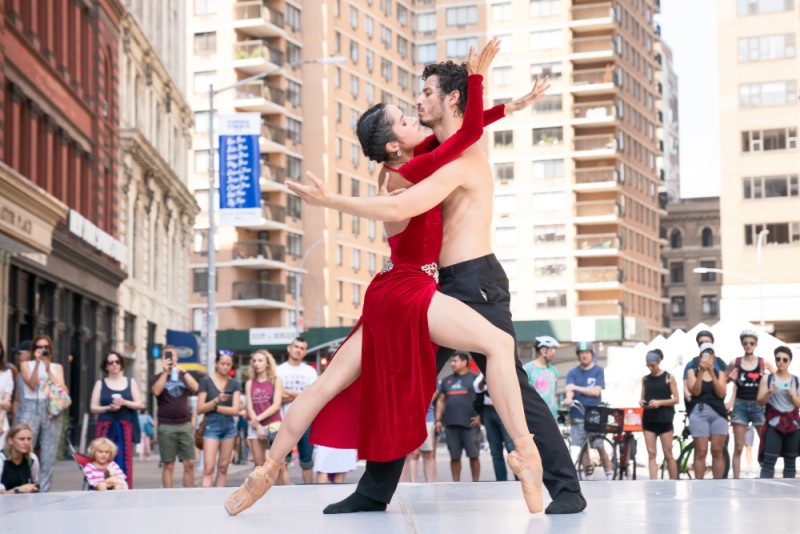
[382,414]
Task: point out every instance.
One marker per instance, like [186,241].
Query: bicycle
[627,445]
[596,440]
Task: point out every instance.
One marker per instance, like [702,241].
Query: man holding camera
[172,389]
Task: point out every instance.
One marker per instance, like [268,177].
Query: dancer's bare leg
[342,371]
[454,324]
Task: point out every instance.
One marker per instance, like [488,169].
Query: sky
[689,28]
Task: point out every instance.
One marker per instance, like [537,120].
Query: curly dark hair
[374,130]
[451,77]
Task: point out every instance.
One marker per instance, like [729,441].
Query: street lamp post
[756,280]
[211,311]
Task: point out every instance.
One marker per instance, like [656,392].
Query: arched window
[675,240]
[707,237]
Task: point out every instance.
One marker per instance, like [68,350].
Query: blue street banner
[239,169]
[187,345]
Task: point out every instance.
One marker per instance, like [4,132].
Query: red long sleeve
[425,164]
[490,115]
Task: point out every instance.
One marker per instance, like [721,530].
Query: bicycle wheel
[686,461]
[593,469]
[631,448]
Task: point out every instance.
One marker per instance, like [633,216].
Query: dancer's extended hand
[316,193]
[540,87]
[480,64]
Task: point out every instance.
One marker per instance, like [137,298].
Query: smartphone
[705,357]
[783,386]
[169,355]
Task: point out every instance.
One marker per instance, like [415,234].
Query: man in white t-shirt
[296,377]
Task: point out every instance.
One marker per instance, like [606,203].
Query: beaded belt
[431,269]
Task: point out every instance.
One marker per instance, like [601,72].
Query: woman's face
[259,363]
[782,361]
[407,130]
[224,365]
[652,366]
[22,442]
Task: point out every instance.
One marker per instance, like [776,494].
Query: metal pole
[298,280]
[211,311]
[759,245]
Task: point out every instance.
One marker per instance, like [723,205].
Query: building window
[553,168]
[545,8]
[294,245]
[678,306]
[353,17]
[354,51]
[550,233]
[760,7]
[459,48]
[372,262]
[203,79]
[675,238]
[779,233]
[294,206]
[356,299]
[200,281]
[510,267]
[426,22]
[709,306]
[402,47]
[504,171]
[293,17]
[386,7]
[548,136]
[292,53]
[386,70]
[551,299]
[768,140]
[426,53]
[355,259]
[707,237]
[386,36]
[770,187]
[355,225]
[355,154]
[676,272]
[767,94]
[354,85]
[505,236]
[505,204]
[549,201]
[501,12]
[402,15]
[502,75]
[549,266]
[548,104]
[767,47]
[205,43]
[130,329]
[205,7]
[293,130]
[339,291]
[708,277]
[552,70]
[293,167]
[293,92]
[461,16]
[369,26]
[339,254]
[504,139]
[546,40]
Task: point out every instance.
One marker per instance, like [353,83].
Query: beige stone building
[157,210]
[759,119]
[693,231]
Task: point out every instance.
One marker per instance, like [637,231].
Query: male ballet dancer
[469,272]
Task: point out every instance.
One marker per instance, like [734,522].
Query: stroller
[81,460]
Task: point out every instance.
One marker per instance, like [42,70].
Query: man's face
[430,103]
[550,354]
[298,350]
[585,357]
[458,365]
[749,345]
[704,339]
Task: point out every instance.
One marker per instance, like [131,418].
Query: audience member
[332,464]
[462,428]
[6,395]
[147,426]
[39,375]
[708,419]
[117,400]
[659,397]
[19,466]
[703,336]
[172,388]
[496,433]
[781,435]
[103,473]
[219,398]
[21,353]
[263,397]
[542,374]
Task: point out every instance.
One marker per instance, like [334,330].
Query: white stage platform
[630,507]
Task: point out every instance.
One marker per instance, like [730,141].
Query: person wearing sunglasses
[746,373]
[778,392]
[117,401]
[46,429]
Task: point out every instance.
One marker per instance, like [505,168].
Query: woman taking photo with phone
[219,399]
[117,400]
[781,433]
[709,418]
[39,374]
[659,397]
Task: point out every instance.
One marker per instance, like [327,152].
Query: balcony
[260,96]
[272,177]
[273,217]
[592,17]
[593,81]
[596,212]
[258,20]
[273,138]
[594,113]
[593,245]
[595,146]
[596,179]
[597,278]
[259,255]
[256,57]
[592,49]
[258,294]
[599,307]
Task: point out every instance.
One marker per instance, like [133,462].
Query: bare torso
[466,212]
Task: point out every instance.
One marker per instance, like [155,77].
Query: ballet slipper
[526,464]
[254,487]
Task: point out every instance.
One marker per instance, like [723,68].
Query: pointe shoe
[526,464]
[253,488]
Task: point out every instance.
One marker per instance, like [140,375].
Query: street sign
[239,169]
[272,336]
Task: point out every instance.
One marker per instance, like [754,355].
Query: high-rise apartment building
[759,118]
[576,203]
